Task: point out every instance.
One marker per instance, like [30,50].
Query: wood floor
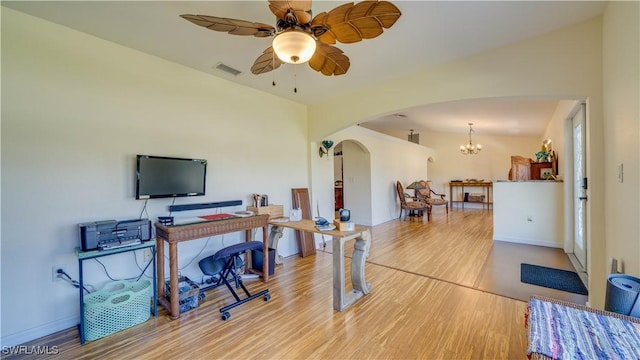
[441,290]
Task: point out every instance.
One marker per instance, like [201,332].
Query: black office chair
[223,264]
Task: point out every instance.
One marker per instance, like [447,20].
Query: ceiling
[428,33]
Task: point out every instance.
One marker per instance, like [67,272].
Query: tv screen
[160,177]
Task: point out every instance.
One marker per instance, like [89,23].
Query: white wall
[76,110]
[621,78]
[529,212]
[356,186]
[391,159]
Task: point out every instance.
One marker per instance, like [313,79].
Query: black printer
[111,234]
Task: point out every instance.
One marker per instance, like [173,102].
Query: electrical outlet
[620,173]
[55,276]
[147,255]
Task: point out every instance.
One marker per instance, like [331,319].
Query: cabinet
[339,200]
[537,167]
[93,254]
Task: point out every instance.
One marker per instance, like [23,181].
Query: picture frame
[546,173]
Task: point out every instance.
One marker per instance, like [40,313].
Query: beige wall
[75,112]
[556,131]
[389,159]
[621,74]
[564,64]
[77,109]
[561,64]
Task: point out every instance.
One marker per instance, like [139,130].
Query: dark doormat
[552,278]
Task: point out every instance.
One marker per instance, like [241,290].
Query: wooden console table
[487,190]
[175,234]
[361,234]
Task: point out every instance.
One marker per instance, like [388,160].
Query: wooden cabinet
[338,198]
[526,169]
[537,167]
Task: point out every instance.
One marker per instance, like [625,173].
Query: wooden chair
[411,206]
[435,200]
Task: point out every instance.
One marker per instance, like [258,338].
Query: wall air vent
[414,138]
[228,69]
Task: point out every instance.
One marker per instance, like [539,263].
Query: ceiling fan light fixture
[294,46]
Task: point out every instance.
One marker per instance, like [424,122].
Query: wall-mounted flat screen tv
[161,177]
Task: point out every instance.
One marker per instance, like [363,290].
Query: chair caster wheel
[267,297]
[225,315]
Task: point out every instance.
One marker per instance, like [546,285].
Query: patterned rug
[552,278]
[557,331]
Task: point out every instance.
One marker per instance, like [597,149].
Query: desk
[92,254]
[558,329]
[361,234]
[487,190]
[175,234]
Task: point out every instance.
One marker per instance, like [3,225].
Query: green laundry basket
[117,306]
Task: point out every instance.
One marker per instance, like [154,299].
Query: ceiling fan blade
[231,26]
[266,62]
[300,9]
[351,23]
[329,60]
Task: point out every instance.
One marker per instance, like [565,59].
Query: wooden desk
[175,234]
[361,234]
[487,190]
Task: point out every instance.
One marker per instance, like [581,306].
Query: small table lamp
[415,186]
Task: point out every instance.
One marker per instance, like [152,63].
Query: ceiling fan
[299,38]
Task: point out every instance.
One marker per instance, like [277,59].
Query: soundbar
[204,205]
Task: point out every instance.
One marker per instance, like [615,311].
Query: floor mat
[552,278]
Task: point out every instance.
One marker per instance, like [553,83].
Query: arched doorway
[352,180]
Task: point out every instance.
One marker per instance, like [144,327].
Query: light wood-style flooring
[441,290]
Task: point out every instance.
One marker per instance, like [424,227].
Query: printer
[111,234]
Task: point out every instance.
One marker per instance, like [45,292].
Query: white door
[579,187]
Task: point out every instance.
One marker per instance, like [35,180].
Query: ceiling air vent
[227,69]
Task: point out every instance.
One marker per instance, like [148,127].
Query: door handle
[582,198]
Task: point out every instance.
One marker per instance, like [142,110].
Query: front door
[580,185]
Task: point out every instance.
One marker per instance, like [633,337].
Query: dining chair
[431,197]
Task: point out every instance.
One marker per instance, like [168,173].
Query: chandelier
[470,149]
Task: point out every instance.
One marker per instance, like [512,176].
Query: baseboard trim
[40,331]
[580,270]
[527,241]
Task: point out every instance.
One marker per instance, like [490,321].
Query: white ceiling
[427,34]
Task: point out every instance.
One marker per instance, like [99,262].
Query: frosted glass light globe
[294,47]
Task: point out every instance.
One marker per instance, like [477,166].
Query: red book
[217,216]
